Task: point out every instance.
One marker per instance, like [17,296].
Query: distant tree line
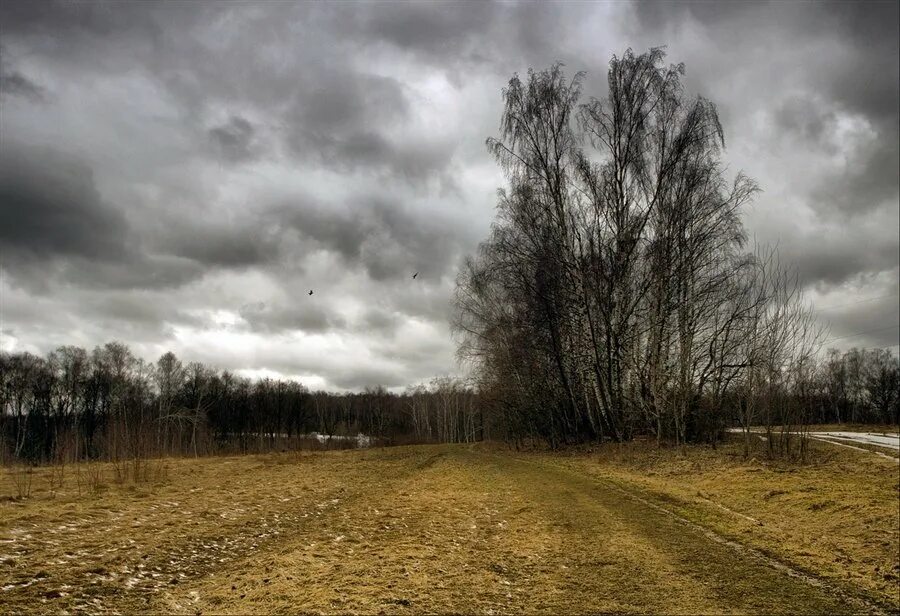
[616,294]
[110,405]
[859,386]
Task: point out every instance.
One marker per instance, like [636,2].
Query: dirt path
[468,531]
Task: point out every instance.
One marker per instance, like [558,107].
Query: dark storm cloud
[805,116]
[386,239]
[137,271]
[49,206]
[75,29]
[381,320]
[319,226]
[463,40]
[300,315]
[14,83]
[660,15]
[341,104]
[169,130]
[834,261]
[144,309]
[828,100]
[867,184]
[437,31]
[96,18]
[233,141]
[355,122]
[869,178]
[214,244]
[367,149]
[368,376]
[55,226]
[866,82]
[874,318]
[327,111]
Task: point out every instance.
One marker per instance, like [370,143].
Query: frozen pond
[362,440]
[879,439]
[889,441]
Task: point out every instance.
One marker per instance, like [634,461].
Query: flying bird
[414,275]
[310,291]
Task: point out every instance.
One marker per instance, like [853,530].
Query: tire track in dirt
[857,601]
[474,532]
[327,537]
[817,591]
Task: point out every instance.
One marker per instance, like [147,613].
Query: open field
[464,528]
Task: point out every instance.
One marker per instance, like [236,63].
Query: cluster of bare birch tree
[616,292]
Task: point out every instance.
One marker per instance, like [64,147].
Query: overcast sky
[178,176]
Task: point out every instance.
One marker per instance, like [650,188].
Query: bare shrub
[89,477]
[158,471]
[22,476]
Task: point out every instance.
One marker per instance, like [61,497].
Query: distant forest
[110,405]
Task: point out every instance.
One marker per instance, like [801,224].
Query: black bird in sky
[414,275]
[310,291]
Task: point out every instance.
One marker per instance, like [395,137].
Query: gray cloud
[193,169]
[805,117]
[866,184]
[871,319]
[386,239]
[439,31]
[809,99]
[49,205]
[355,122]
[341,103]
[233,141]
[306,316]
[834,262]
[662,15]
[239,244]
[865,83]
[381,320]
[14,83]
[367,376]
[54,224]
[367,149]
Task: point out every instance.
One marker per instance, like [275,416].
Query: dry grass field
[476,529]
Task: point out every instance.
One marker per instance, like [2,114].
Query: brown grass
[837,516]
[449,529]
